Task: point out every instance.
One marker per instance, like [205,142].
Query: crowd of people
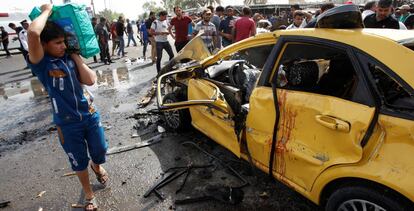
[223,26]
[63,74]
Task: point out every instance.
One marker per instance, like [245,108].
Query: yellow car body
[322,142]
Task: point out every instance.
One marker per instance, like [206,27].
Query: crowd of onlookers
[221,26]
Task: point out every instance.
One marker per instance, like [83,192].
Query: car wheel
[176,120]
[357,198]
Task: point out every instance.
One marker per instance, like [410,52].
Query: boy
[77,121]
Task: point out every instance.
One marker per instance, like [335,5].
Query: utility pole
[93,8]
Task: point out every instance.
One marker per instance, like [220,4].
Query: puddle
[22,91]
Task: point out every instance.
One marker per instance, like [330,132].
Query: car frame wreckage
[329,112]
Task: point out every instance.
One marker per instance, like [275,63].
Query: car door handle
[333,123]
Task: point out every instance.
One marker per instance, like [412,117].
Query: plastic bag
[75,21]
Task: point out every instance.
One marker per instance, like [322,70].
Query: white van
[12,17]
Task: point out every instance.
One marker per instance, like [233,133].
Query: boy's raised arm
[33,34]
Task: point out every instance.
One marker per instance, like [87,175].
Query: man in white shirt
[369,9]
[159,29]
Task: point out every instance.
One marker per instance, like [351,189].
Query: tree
[188,4]
[109,14]
[152,6]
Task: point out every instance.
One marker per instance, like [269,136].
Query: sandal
[89,202]
[101,176]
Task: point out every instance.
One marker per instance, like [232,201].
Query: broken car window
[392,93]
[317,69]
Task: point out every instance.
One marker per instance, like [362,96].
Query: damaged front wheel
[176,120]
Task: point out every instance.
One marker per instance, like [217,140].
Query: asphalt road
[32,161]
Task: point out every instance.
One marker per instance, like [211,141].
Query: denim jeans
[121,46]
[160,47]
[131,37]
[145,44]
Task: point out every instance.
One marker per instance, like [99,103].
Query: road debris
[148,97]
[236,174]
[4,204]
[160,129]
[223,194]
[77,206]
[69,174]
[145,143]
[264,195]
[40,194]
[170,175]
[40,209]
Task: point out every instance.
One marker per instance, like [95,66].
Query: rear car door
[325,109]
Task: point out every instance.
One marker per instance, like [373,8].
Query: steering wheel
[234,73]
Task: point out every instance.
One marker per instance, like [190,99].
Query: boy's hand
[46,7]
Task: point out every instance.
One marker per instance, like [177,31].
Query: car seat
[339,79]
[302,76]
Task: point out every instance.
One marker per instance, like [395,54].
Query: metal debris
[78,206]
[148,97]
[223,194]
[170,175]
[4,204]
[236,174]
[40,194]
[149,142]
[160,129]
[69,174]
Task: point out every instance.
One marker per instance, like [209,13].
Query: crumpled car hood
[195,50]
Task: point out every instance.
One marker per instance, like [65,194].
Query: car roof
[386,45]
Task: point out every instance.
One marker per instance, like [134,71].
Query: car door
[317,127]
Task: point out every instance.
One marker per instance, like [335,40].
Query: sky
[130,8]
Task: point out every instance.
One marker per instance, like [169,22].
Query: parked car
[328,112]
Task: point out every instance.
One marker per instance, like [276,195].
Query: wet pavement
[32,161]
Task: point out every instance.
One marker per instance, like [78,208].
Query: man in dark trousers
[382,17]
[102,32]
[151,38]
[5,41]
[94,22]
[180,23]
[120,30]
[19,31]
[130,32]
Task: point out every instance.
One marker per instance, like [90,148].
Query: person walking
[145,40]
[77,120]
[94,22]
[101,31]
[210,35]
[130,33]
[180,23]
[115,40]
[244,26]
[5,41]
[120,30]
[151,37]
[159,29]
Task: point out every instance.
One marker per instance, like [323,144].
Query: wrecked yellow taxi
[328,112]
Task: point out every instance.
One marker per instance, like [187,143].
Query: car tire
[176,120]
[349,198]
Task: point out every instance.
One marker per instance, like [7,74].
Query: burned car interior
[317,69]
[236,75]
